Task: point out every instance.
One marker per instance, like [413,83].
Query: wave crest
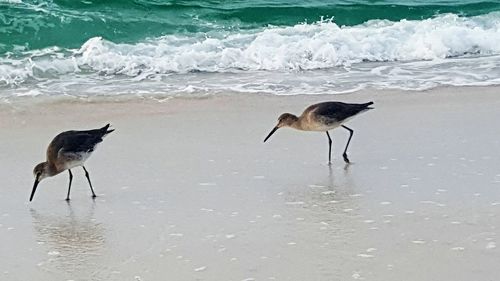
[301,47]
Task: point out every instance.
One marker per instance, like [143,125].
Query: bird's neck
[298,124]
[52,169]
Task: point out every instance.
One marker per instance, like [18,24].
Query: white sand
[188,191]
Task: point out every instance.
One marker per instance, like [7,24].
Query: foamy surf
[314,58]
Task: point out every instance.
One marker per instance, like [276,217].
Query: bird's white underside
[75,159]
[322,127]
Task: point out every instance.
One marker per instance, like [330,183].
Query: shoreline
[446,90]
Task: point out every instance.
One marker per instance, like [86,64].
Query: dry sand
[188,191]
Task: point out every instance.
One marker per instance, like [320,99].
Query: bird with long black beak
[68,150]
[323,117]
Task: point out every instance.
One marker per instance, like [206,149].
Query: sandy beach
[187,190]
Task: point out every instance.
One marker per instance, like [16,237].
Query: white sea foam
[317,58]
[305,46]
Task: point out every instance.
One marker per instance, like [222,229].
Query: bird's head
[285,120]
[40,172]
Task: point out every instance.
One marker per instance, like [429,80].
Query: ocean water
[155,48]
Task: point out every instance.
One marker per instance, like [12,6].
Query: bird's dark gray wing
[73,143]
[339,111]
[80,141]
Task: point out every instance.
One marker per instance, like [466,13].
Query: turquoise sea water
[119,47]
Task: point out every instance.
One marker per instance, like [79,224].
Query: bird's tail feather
[367,105]
[105,130]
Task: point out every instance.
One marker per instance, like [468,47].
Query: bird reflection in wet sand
[73,241]
[331,193]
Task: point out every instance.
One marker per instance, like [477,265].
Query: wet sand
[188,191]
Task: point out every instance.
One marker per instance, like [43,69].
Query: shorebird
[68,150]
[323,117]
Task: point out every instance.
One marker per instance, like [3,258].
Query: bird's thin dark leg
[69,186]
[90,184]
[329,148]
[351,132]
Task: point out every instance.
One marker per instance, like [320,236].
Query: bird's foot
[67,199]
[94,196]
[329,163]
[345,158]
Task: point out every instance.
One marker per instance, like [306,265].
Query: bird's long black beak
[271,133]
[34,188]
